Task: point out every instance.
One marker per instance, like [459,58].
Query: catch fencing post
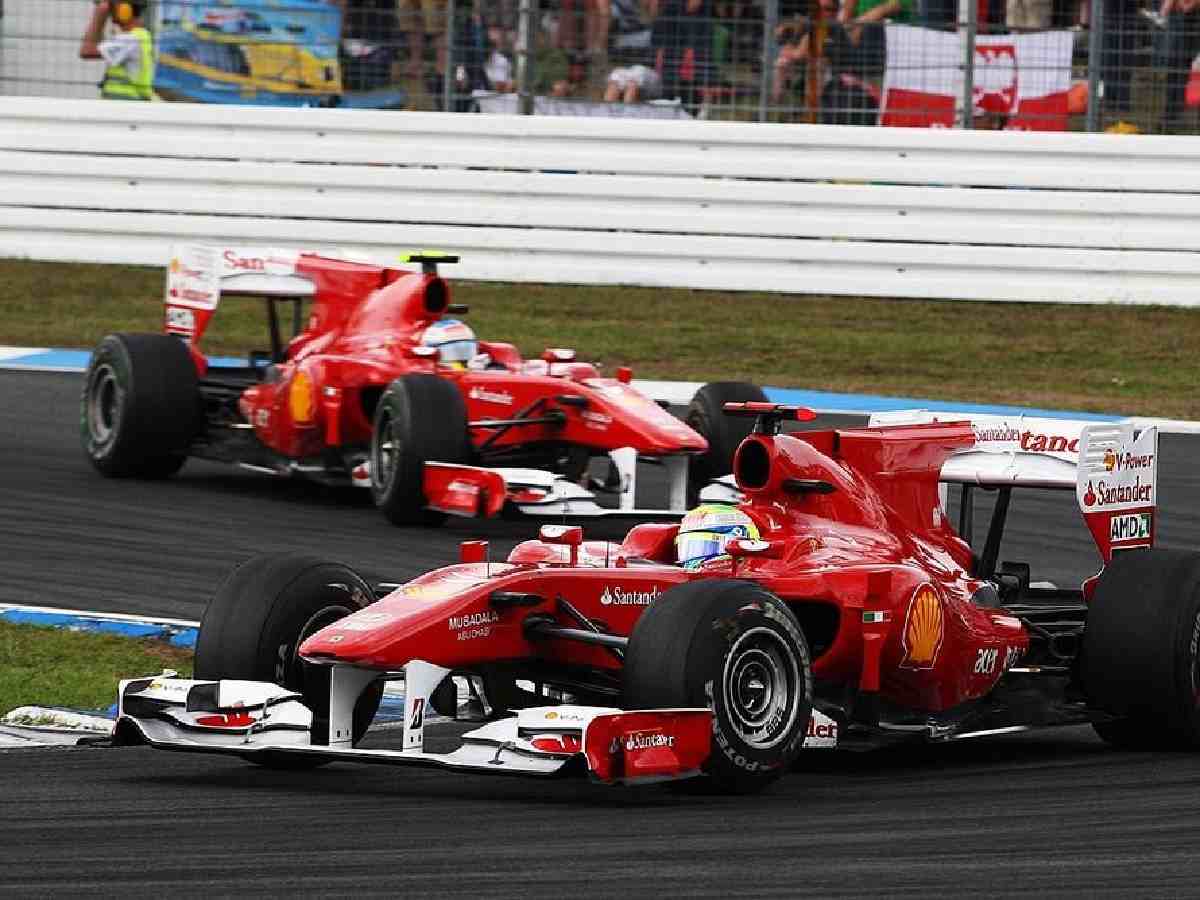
[1095,55]
[968,24]
[770,23]
[448,76]
[525,58]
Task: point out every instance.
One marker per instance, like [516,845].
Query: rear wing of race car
[1112,468]
[199,275]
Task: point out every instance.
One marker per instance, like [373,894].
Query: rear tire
[140,407]
[706,415]
[1140,658]
[733,647]
[262,613]
[419,419]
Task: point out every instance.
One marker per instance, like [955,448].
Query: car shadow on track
[830,772]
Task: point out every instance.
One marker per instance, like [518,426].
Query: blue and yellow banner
[258,52]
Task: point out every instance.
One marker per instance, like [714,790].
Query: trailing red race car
[836,606]
[377,387]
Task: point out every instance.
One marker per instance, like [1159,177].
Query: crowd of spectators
[704,55]
[828,65]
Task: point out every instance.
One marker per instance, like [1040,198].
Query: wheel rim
[385,451]
[104,397]
[761,684]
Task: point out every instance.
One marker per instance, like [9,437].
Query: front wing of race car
[249,719]
[464,490]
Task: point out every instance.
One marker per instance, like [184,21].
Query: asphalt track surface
[1050,812]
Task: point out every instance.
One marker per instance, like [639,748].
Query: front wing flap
[245,719]
[463,490]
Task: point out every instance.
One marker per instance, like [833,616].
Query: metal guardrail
[789,208]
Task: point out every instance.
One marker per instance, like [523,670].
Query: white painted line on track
[106,616]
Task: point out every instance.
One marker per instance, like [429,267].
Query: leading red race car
[366,392]
[857,615]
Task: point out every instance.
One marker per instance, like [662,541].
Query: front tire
[253,628]
[737,649]
[140,407]
[706,415]
[419,419]
[1140,658]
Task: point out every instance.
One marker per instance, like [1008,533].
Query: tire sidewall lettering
[725,741]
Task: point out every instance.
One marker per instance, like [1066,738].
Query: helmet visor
[700,545]
[457,351]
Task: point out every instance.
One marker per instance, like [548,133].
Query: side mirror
[571,535]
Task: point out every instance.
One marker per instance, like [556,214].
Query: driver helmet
[453,339]
[706,530]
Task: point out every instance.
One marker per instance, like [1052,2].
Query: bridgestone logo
[615,596]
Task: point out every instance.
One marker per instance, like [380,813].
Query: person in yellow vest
[129,54]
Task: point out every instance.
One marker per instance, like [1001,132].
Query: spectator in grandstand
[557,73]
[129,54]
[633,84]
[864,23]
[634,78]
[682,42]
[425,23]
[629,31]
[583,30]
[794,35]
[1179,45]
[1028,15]
[844,96]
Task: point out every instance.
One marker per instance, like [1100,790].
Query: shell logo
[301,400]
[175,266]
[924,627]
[1110,460]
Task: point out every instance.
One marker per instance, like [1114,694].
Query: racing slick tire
[419,418]
[259,617]
[140,407]
[706,415]
[737,649]
[1140,656]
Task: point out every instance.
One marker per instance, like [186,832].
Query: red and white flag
[1023,76]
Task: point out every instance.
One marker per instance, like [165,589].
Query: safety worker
[454,340]
[129,54]
[707,529]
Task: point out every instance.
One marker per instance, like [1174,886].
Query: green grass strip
[1131,360]
[41,666]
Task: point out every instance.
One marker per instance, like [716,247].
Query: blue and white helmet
[453,339]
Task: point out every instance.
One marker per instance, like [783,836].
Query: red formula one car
[857,615]
[367,392]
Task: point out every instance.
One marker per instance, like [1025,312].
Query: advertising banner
[261,52]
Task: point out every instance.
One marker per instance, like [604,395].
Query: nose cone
[443,617]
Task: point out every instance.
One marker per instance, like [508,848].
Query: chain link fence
[1079,65]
